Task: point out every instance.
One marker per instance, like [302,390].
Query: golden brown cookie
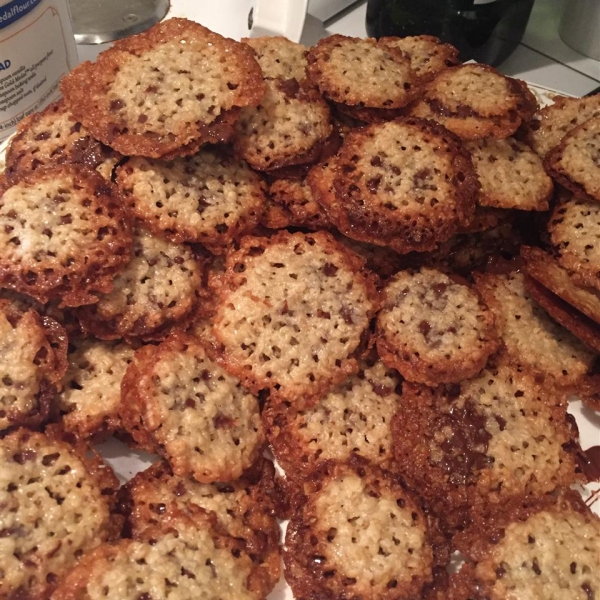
[209,198]
[549,125]
[33,352]
[407,184]
[575,162]
[582,327]
[475,444]
[63,234]
[543,267]
[295,199]
[475,101]
[357,533]
[279,57]
[91,395]
[168,90]
[182,558]
[574,229]
[361,73]
[511,175]
[243,509]
[530,337]
[157,290]
[289,127]
[293,312]
[180,404]
[427,54]
[353,419]
[56,496]
[54,137]
[536,548]
[434,329]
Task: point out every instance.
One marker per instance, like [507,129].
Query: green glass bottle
[484,30]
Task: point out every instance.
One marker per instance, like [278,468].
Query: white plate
[126,462]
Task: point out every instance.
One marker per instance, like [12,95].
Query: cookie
[434,329]
[361,73]
[407,184]
[293,312]
[183,558]
[474,101]
[574,163]
[582,327]
[427,54]
[296,199]
[545,548]
[288,127]
[357,533]
[574,228]
[56,497]
[472,445]
[243,509]
[550,124]
[63,235]
[279,57]
[178,403]
[352,419]
[529,335]
[168,90]
[91,395]
[544,268]
[54,137]
[209,198]
[157,290]
[33,360]
[511,175]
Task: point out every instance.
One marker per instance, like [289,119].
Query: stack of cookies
[363,259]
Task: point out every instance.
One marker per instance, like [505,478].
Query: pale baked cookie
[575,162]
[427,54]
[288,127]
[54,137]
[243,509]
[155,291]
[209,198]
[295,198]
[360,73]
[475,444]
[511,175]
[550,124]
[574,228]
[545,548]
[279,57]
[582,327]
[356,533]
[407,184]
[177,402]
[434,329]
[292,313]
[182,558]
[32,362]
[91,395]
[63,234]
[168,90]
[529,335]
[353,419]
[543,267]
[56,497]
[475,101]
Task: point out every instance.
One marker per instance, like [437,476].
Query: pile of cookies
[377,263]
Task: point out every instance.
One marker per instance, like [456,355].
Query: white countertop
[541,58]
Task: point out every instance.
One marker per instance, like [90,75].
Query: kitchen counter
[541,58]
